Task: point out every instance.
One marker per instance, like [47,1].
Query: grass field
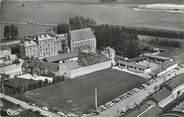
[77,95]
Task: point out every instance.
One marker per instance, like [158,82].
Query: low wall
[89,69]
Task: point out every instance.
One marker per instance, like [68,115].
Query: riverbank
[162,7]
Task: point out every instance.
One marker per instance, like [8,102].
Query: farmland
[77,95]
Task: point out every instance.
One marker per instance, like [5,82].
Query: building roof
[156,57]
[61,56]
[44,36]
[87,59]
[82,34]
[46,65]
[161,95]
[30,43]
[133,64]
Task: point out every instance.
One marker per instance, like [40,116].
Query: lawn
[77,95]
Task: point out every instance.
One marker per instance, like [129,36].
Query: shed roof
[30,43]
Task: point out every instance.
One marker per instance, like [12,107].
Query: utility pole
[96,100]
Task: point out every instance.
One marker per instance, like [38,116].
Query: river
[117,14]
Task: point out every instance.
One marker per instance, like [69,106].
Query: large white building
[147,63]
[45,44]
[42,45]
[83,40]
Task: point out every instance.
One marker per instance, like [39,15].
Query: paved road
[137,97]
[27,106]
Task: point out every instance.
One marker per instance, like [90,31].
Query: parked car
[60,113]
[45,108]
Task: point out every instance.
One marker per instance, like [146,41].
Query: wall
[89,69]
[65,68]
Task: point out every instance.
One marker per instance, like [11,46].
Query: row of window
[140,69]
[84,43]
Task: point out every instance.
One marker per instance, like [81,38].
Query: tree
[3,77]
[61,28]
[39,83]
[76,22]
[79,22]
[124,41]
[11,32]
[46,82]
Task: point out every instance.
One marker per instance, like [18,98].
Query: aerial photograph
[91,58]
